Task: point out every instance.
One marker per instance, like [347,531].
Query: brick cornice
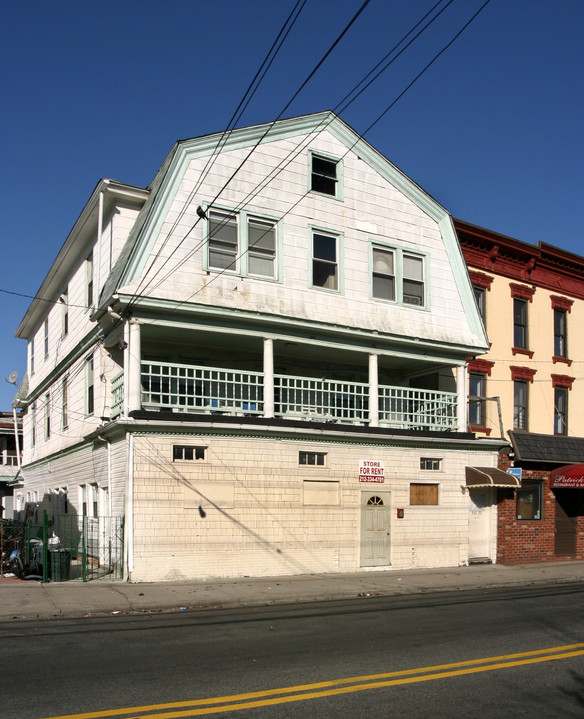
[562,380]
[522,291]
[524,373]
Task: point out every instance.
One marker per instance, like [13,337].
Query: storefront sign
[371,470]
[569,477]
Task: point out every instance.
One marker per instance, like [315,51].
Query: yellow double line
[303,692]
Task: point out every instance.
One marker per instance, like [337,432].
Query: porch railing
[192,388]
[321,399]
[411,408]
[117,394]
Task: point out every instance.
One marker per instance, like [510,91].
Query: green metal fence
[62,547]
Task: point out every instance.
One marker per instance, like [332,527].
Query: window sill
[479,428]
[522,351]
[565,360]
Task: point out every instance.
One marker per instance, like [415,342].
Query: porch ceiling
[176,339]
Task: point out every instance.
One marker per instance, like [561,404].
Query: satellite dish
[12,377]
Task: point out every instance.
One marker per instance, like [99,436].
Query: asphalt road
[496,653]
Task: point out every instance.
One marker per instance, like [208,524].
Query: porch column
[462,390]
[373,391]
[268,377]
[133,368]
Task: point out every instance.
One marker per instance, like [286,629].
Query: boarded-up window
[321,492]
[423,493]
[208,495]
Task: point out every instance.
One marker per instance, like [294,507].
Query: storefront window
[529,500]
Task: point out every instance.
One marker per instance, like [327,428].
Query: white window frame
[244,247]
[399,255]
[65,402]
[337,263]
[89,283]
[47,415]
[64,299]
[46,336]
[89,385]
[31,361]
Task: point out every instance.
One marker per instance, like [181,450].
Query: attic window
[325,176]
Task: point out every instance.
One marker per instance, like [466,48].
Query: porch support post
[462,390]
[133,367]
[373,391]
[269,408]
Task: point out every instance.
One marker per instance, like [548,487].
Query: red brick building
[529,388]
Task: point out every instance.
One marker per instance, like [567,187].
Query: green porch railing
[321,399]
[117,395]
[193,388]
[410,408]
[190,388]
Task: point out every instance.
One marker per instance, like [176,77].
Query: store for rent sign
[371,470]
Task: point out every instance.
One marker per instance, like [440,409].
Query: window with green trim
[242,243]
[325,260]
[397,275]
[325,175]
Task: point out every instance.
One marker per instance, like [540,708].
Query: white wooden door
[375,538]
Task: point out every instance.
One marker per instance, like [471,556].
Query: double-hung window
[65,403]
[520,388]
[325,175]
[519,323]
[89,386]
[32,356]
[560,333]
[413,279]
[561,410]
[261,247]
[242,243]
[223,245]
[480,294]
[397,275]
[47,416]
[476,402]
[64,300]
[325,260]
[46,333]
[383,274]
[89,280]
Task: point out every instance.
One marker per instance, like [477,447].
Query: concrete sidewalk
[24,600]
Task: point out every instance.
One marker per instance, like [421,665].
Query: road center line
[304,692]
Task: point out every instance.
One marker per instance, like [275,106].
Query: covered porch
[293,378]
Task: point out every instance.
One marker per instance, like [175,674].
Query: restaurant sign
[569,477]
[371,470]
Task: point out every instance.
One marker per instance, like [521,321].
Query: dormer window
[325,175]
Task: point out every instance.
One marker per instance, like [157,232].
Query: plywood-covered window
[423,493]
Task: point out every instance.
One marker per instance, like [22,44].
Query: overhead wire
[237,114]
[299,149]
[360,136]
[273,122]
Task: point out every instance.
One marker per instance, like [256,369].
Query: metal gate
[62,547]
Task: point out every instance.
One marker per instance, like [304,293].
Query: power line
[271,124]
[361,136]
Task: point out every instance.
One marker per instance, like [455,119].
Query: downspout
[129,509]
[16,438]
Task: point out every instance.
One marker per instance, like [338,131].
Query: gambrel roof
[166,182]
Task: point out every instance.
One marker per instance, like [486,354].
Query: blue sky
[493,130]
